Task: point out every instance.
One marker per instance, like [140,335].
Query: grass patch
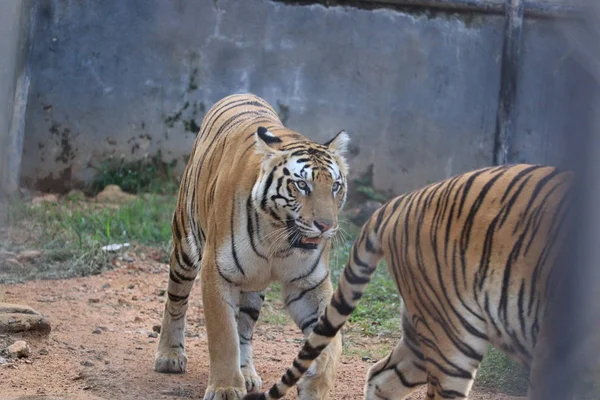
[378,313]
[149,175]
[70,234]
[498,372]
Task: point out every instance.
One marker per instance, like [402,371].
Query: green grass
[70,234]
[150,175]
[497,372]
[378,313]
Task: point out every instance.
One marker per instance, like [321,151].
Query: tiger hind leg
[451,370]
[170,356]
[396,376]
[250,305]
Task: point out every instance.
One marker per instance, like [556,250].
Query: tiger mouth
[300,241]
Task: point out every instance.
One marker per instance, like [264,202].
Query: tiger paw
[228,393]
[172,362]
[253,381]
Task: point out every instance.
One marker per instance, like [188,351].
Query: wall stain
[62,138]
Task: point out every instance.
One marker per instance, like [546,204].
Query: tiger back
[473,259]
[258,203]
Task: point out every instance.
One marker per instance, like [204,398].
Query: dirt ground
[101,347]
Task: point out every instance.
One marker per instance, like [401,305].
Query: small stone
[15,263]
[75,195]
[47,198]
[135,298]
[94,300]
[161,292]
[153,335]
[106,286]
[138,319]
[114,194]
[131,286]
[139,348]
[97,331]
[19,349]
[29,255]
[365,358]
[156,328]
[87,363]
[43,352]
[3,361]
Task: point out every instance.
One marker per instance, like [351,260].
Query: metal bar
[532,9]
[511,52]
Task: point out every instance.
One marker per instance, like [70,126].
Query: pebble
[19,349]
[97,331]
[153,335]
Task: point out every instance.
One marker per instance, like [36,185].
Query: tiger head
[302,186]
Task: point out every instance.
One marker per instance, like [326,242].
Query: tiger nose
[323,225]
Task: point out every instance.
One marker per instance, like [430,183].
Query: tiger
[473,258]
[257,203]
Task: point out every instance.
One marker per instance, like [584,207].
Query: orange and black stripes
[472,258]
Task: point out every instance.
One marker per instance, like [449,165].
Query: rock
[87,363]
[9,308]
[361,214]
[15,263]
[131,286]
[93,300]
[153,334]
[3,361]
[16,318]
[106,286]
[161,292]
[114,194]
[47,198]
[75,195]
[156,328]
[29,255]
[138,319]
[97,331]
[18,349]
[43,352]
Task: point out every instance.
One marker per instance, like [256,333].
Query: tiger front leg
[170,355]
[221,305]
[250,305]
[305,303]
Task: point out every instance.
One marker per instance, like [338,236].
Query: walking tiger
[257,203]
[473,259]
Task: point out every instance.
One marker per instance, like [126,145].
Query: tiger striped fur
[258,203]
[472,257]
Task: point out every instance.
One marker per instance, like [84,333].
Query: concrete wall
[418,93]
[14,24]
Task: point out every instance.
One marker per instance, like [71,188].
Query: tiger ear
[339,143]
[266,141]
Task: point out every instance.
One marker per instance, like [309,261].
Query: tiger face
[302,186]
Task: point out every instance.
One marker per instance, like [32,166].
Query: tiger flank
[473,259]
[258,203]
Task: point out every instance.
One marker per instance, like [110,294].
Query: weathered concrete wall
[14,23]
[417,93]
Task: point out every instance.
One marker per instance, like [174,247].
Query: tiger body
[473,259]
[256,204]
